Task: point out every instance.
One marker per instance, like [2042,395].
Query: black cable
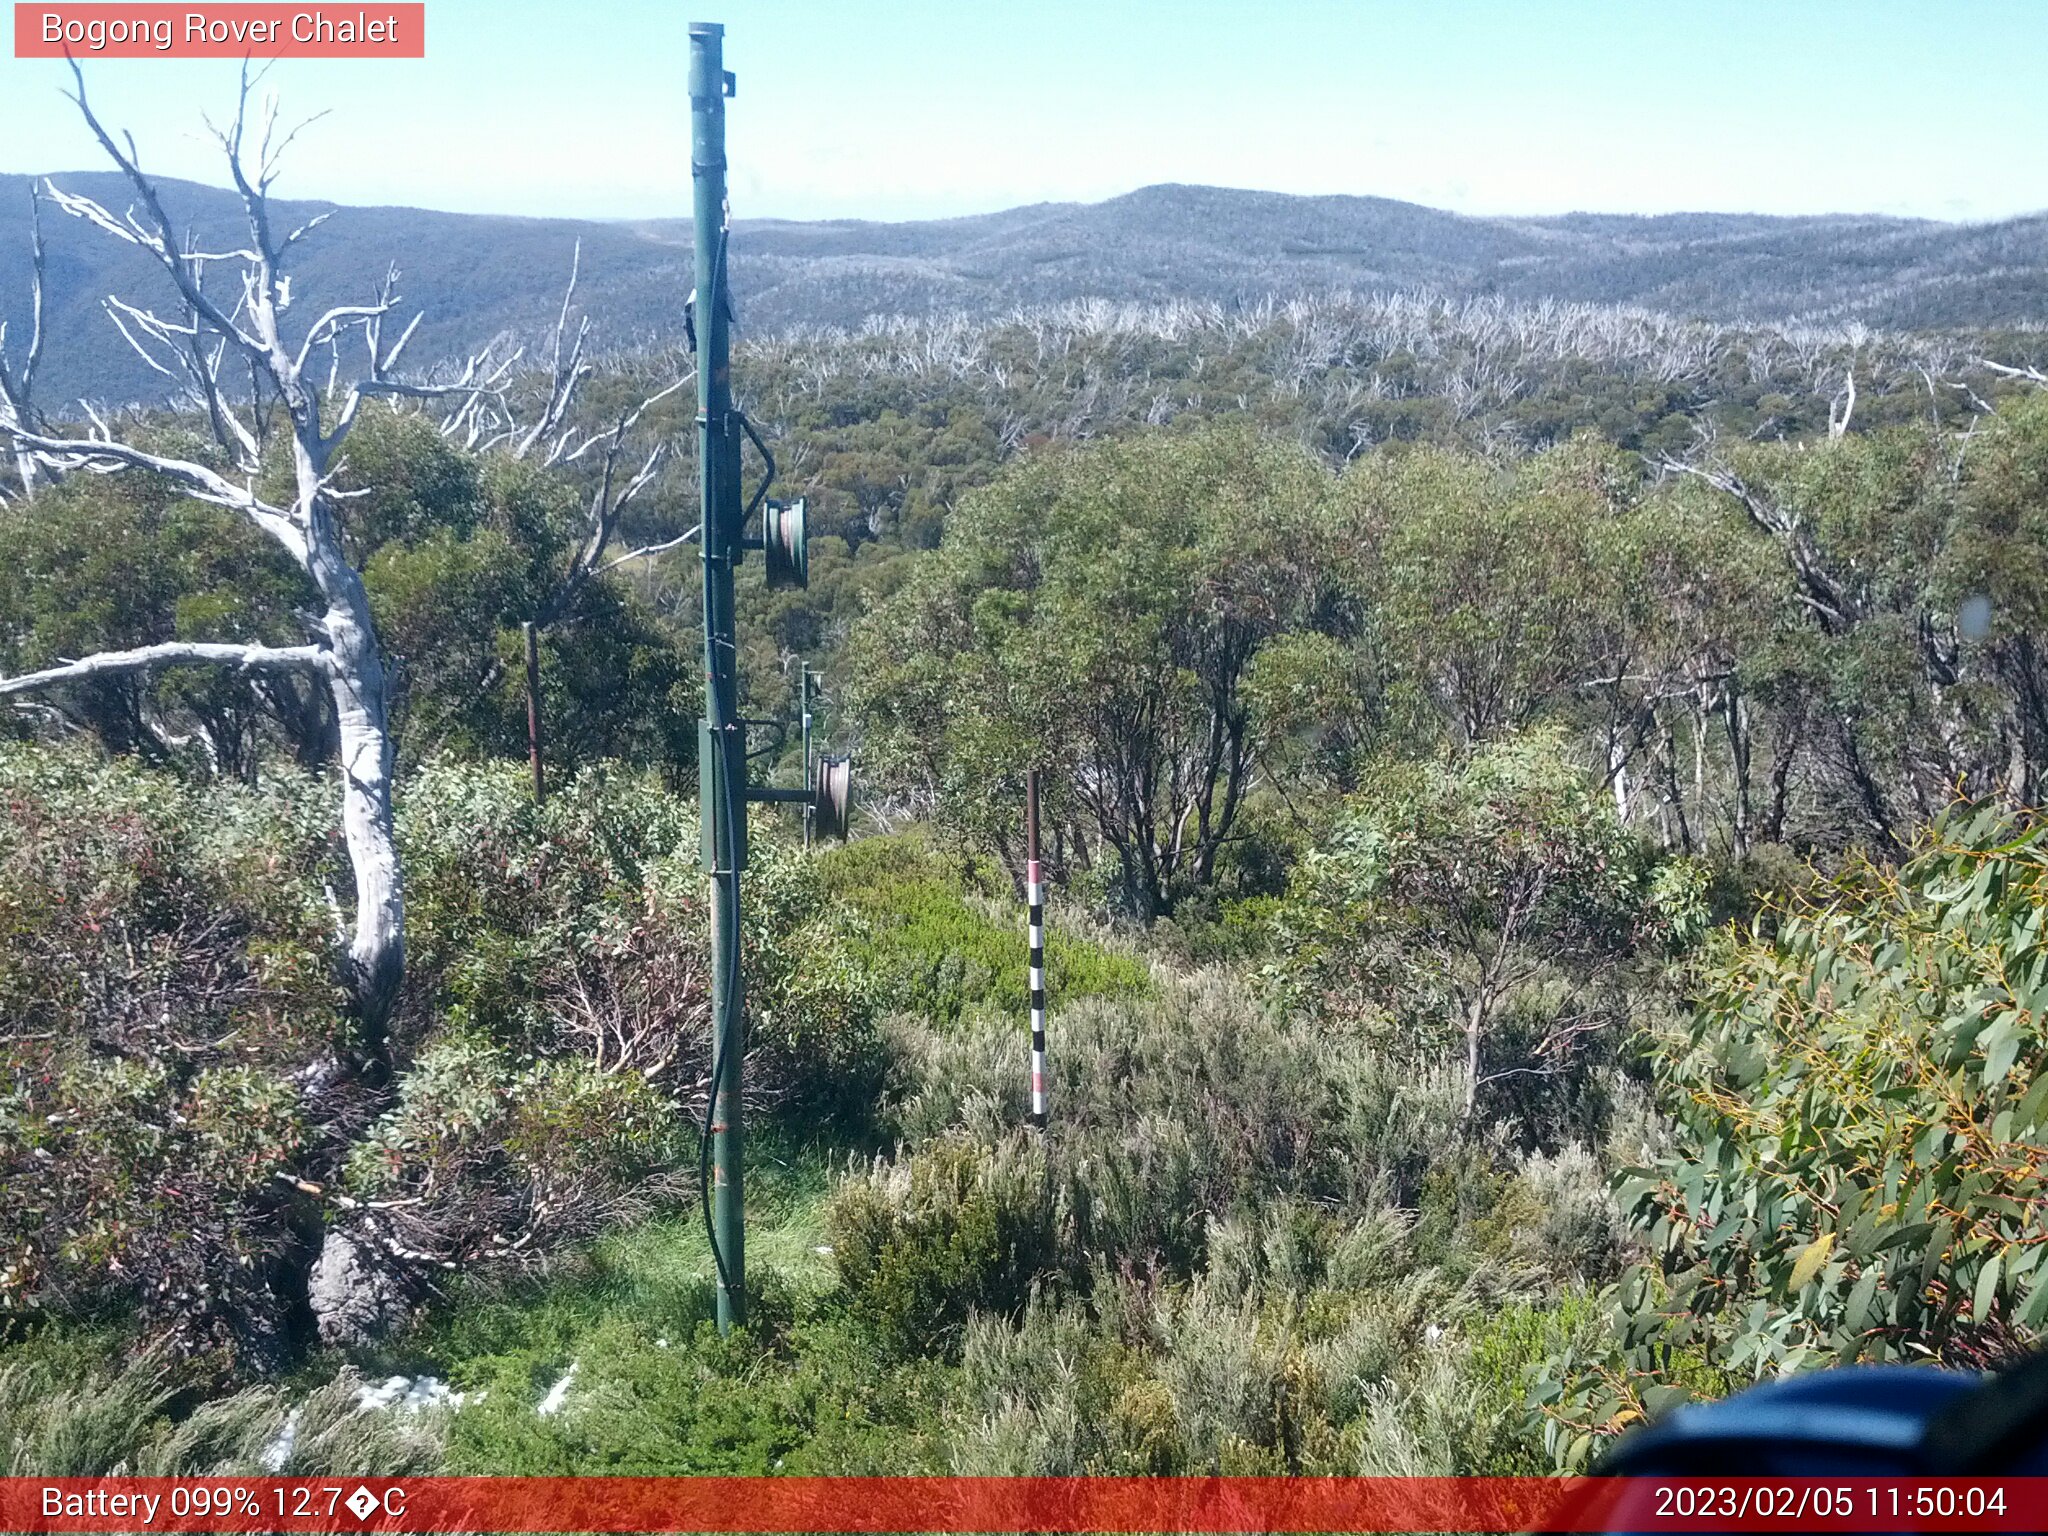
[727,859]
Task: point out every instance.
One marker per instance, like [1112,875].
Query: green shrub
[1170,1111]
[814,996]
[96,1423]
[1862,1102]
[481,1158]
[633,1406]
[500,890]
[924,1241]
[1492,913]
[1507,1354]
[165,966]
[941,945]
[1144,1379]
[1034,1398]
[580,928]
[174,1117]
[103,1411]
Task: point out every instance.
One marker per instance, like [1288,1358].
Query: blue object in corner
[1869,1419]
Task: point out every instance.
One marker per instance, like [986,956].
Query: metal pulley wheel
[832,796]
[785,544]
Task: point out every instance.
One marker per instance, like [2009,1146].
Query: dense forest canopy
[1546,898]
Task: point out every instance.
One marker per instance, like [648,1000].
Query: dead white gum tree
[18,382]
[225,344]
[488,423]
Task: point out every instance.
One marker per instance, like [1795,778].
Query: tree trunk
[377,949]
[25,466]
[1674,789]
[1740,746]
[360,688]
[1475,1026]
[1617,774]
[1784,752]
[1867,787]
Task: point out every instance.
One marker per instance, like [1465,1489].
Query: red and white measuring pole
[1034,893]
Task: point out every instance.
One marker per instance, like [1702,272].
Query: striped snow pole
[1034,893]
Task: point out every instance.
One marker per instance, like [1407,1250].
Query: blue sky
[930,108]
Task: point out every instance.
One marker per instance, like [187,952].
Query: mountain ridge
[478,276]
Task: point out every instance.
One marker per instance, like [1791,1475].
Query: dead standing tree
[489,423]
[553,440]
[17,384]
[213,341]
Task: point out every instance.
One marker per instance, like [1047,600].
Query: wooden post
[1034,894]
[540,787]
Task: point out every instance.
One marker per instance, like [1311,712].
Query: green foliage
[923,1242]
[1172,1111]
[163,965]
[485,1156]
[632,1314]
[105,1412]
[109,563]
[1484,912]
[580,926]
[562,950]
[1098,609]
[499,888]
[1509,1352]
[1296,1372]
[167,970]
[56,1424]
[1489,583]
[1246,1244]
[804,1396]
[636,1407]
[1335,723]
[939,951]
[455,550]
[1860,1096]
[813,997]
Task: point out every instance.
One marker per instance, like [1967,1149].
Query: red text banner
[231,31]
[1005,1504]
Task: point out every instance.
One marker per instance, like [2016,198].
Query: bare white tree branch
[1833,604]
[153,658]
[1838,422]
[565,374]
[17,387]
[2031,375]
[647,551]
[101,454]
[609,501]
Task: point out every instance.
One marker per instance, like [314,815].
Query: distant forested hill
[480,277]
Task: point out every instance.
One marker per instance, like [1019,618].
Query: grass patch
[655,1277]
[655,1390]
[946,936]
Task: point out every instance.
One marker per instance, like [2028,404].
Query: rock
[278,1454]
[354,1301]
[409,1395]
[319,1075]
[558,1393]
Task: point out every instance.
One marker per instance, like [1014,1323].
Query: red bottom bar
[1006,1504]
